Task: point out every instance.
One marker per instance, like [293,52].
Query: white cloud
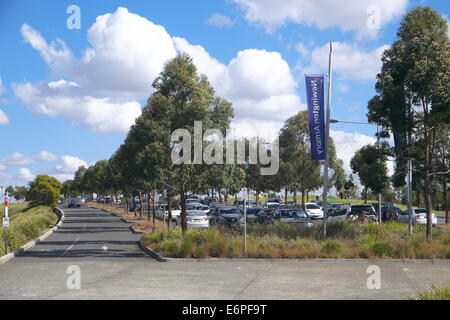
[127,52]
[2,89]
[3,118]
[219,20]
[16,159]
[321,14]
[19,159]
[347,144]
[70,164]
[348,60]
[45,156]
[2,167]
[64,176]
[25,174]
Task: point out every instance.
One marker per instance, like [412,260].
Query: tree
[68,189]
[44,191]
[181,97]
[369,163]
[350,188]
[338,177]
[9,190]
[20,193]
[412,87]
[300,171]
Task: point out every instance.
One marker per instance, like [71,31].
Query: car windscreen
[420,210]
[229,211]
[312,206]
[253,211]
[362,209]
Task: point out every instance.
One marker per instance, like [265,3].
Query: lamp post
[378,143]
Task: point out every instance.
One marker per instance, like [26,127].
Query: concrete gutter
[35,242]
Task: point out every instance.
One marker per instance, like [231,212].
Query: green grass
[344,240]
[26,224]
[436,292]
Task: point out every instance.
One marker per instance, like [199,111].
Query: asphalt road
[112,266]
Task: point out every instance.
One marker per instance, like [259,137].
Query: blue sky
[62,106]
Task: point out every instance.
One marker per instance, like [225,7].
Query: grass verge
[26,224]
[345,240]
[436,292]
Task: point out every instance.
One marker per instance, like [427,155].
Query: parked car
[227,215]
[195,219]
[273,203]
[252,214]
[419,216]
[135,204]
[339,213]
[293,216]
[163,211]
[265,216]
[362,213]
[313,210]
[74,203]
[320,203]
[198,206]
[388,211]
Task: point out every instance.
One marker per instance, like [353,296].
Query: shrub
[331,246]
[436,292]
[381,248]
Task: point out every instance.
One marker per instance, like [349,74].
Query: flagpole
[327,137]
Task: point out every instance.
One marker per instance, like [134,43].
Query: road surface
[112,266]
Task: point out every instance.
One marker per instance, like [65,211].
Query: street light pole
[327,137]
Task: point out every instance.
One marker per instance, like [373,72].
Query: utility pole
[410,210]
[379,176]
[327,137]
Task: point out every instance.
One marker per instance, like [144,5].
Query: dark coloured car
[227,215]
[135,204]
[265,216]
[293,216]
[388,211]
[74,203]
[252,214]
[362,213]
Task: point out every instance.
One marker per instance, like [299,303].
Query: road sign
[5,222]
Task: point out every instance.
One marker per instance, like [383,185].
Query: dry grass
[278,241]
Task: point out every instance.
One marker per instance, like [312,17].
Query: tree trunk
[142,204]
[307,195]
[366,191]
[126,205]
[183,210]
[169,211]
[148,205]
[303,198]
[295,197]
[285,195]
[153,209]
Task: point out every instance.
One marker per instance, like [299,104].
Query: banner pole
[327,137]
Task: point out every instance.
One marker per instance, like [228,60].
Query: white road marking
[105,248]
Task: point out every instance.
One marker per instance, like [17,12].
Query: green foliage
[436,292]
[26,224]
[44,191]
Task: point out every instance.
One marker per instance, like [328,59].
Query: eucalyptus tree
[412,88]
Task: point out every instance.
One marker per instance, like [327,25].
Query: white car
[198,206]
[419,216]
[163,213]
[195,219]
[313,210]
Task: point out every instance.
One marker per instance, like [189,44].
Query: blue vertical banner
[316,114]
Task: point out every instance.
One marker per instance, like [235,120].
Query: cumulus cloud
[126,54]
[70,164]
[3,118]
[349,61]
[2,167]
[322,14]
[19,159]
[25,174]
[219,20]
